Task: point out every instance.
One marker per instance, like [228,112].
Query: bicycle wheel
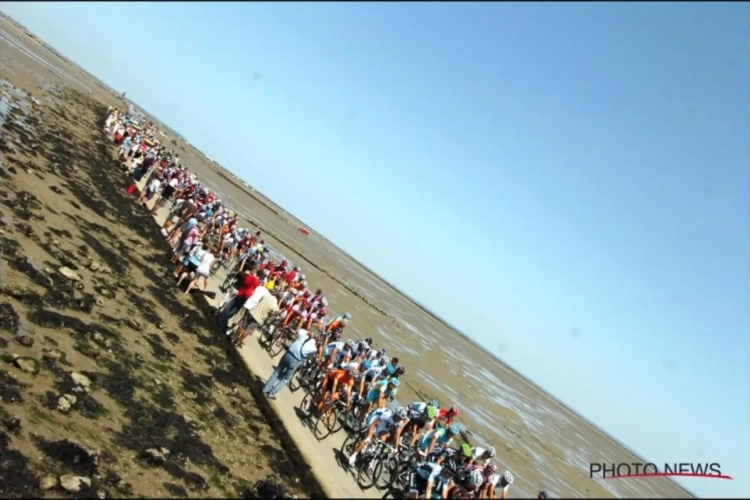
[294,382]
[381,474]
[338,422]
[394,493]
[322,429]
[277,344]
[365,471]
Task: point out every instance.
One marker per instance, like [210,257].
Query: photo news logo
[634,470]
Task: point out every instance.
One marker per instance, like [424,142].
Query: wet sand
[542,442]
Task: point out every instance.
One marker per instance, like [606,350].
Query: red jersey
[443,414]
[247,286]
[290,277]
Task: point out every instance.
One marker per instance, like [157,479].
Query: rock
[47,483]
[25,340]
[156,456]
[69,273]
[101,494]
[71,399]
[54,354]
[26,364]
[160,326]
[157,381]
[80,379]
[73,484]
[94,266]
[99,301]
[134,324]
[63,404]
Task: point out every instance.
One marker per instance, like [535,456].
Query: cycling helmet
[347,316]
[306,293]
[431,412]
[361,345]
[394,382]
[508,477]
[303,283]
[454,410]
[466,450]
[318,292]
[344,322]
[381,352]
[401,413]
[475,478]
[490,467]
[400,371]
[322,311]
[353,371]
[302,277]
[324,301]
[296,268]
[454,430]
[368,340]
[433,402]
[542,495]
[382,362]
[491,452]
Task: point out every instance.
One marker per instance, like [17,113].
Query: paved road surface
[320,455]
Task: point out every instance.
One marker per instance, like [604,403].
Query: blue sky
[592,158]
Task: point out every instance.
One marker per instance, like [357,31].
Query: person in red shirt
[247,282]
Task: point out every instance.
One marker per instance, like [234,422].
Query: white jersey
[338,346]
[381,414]
[375,371]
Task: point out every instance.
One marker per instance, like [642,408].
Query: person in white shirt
[203,270]
[303,348]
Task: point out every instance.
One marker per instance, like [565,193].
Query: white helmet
[508,477]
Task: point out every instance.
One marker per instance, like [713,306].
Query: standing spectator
[247,283]
[302,348]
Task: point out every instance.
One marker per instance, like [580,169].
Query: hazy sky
[586,165]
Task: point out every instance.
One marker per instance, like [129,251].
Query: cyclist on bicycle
[371,375]
[481,454]
[430,477]
[384,423]
[339,321]
[335,380]
[441,436]
[330,345]
[421,419]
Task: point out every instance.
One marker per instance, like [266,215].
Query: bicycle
[281,339]
[326,421]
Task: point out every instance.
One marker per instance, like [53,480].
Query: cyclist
[383,423]
[429,477]
[380,392]
[482,454]
[542,495]
[442,436]
[421,418]
[448,415]
[336,379]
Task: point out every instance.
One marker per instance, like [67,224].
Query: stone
[69,273]
[74,484]
[94,266]
[47,483]
[28,365]
[53,354]
[25,340]
[80,379]
[63,405]
[156,456]
[71,399]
